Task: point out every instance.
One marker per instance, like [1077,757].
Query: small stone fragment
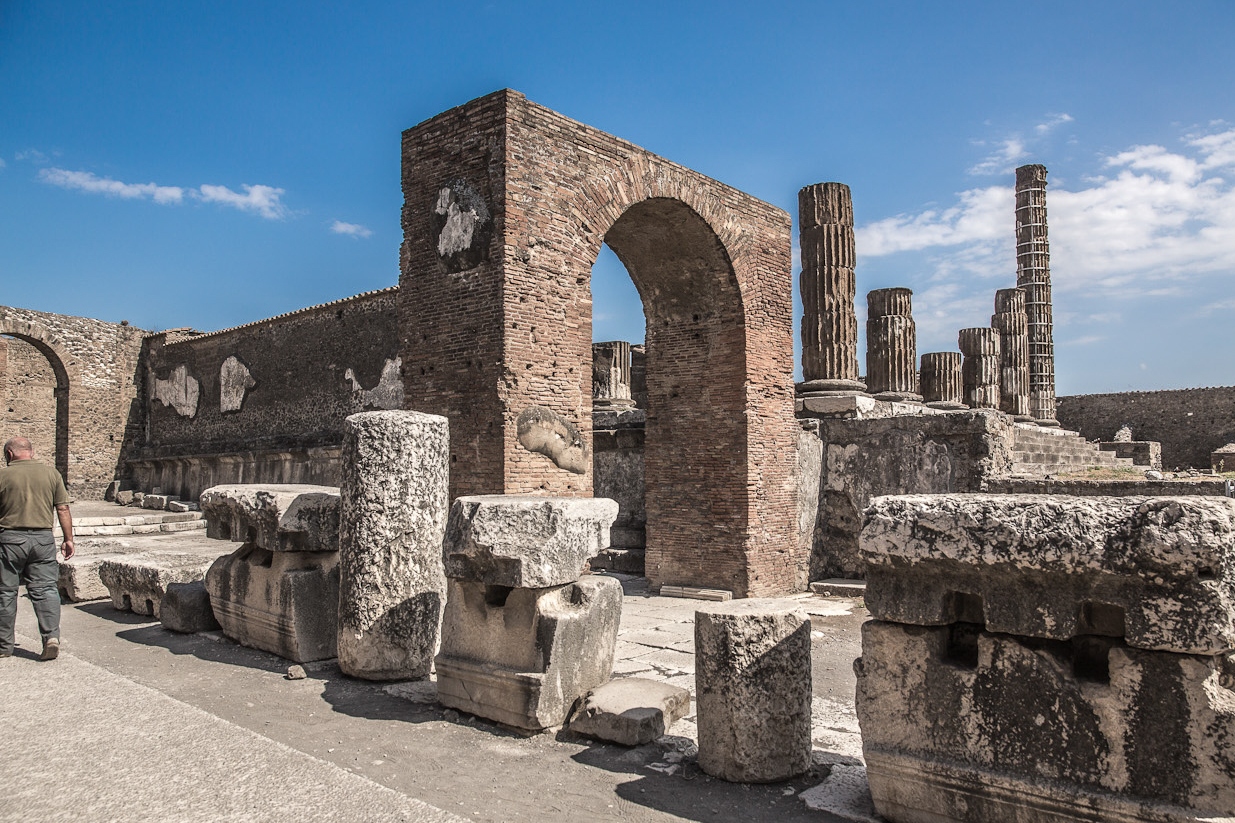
[296,672]
[631,711]
[186,608]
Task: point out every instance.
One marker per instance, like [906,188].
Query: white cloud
[261,200]
[1009,152]
[93,184]
[32,155]
[1054,121]
[350,229]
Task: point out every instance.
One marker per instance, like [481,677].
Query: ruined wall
[265,402]
[1190,423]
[27,396]
[95,365]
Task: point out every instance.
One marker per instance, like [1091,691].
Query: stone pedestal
[980,368]
[1049,659]
[611,378]
[1033,276]
[942,387]
[524,636]
[392,523]
[828,286]
[891,345]
[186,608]
[1012,323]
[753,690]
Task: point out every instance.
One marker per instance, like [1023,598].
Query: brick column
[891,345]
[980,370]
[829,322]
[1033,274]
[941,380]
[611,376]
[1012,323]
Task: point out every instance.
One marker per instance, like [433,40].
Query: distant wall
[1190,423]
[27,396]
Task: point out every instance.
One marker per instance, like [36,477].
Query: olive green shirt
[29,494]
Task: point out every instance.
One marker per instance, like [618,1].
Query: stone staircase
[148,522]
[1038,451]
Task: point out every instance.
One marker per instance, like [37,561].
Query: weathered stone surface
[1157,572]
[1033,276]
[180,506]
[891,345]
[392,587]
[186,608]
[631,711]
[941,380]
[524,541]
[753,690]
[278,518]
[283,602]
[158,501]
[980,726]
[546,432]
[124,498]
[1012,324]
[138,582]
[980,368]
[611,375]
[234,381]
[524,656]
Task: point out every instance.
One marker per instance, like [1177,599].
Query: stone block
[753,690]
[157,501]
[180,506]
[396,465]
[137,499]
[524,541]
[113,488]
[138,582]
[79,576]
[963,725]
[186,608]
[277,518]
[284,602]
[631,711]
[523,657]
[1157,572]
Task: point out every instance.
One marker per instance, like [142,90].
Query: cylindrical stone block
[611,387]
[1012,324]
[1033,274]
[828,284]
[980,368]
[942,387]
[753,690]
[891,345]
[391,526]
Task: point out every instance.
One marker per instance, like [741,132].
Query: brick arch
[67,380]
[495,324]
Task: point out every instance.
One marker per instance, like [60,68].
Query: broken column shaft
[1033,274]
[891,345]
[829,322]
[611,378]
[1012,324]
[980,369]
[942,387]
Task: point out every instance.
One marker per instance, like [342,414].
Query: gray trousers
[28,558]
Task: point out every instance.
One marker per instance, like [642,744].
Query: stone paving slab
[69,759]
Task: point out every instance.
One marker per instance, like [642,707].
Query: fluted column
[980,369]
[611,375]
[891,345]
[1012,323]
[829,321]
[942,387]
[1033,275]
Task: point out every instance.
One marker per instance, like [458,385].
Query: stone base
[286,603]
[833,388]
[186,608]
[523,657]
[631,711]
[137,583]
[898,397]
[910,789]
[946,405]
[1048,424]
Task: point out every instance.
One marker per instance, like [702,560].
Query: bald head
[18,448]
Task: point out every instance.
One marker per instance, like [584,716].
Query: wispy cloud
[1009,151]
[350,229]
[265,201]
[32,156]
[1053,121]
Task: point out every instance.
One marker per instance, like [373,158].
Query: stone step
[137,524]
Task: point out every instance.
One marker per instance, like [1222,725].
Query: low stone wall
[1201,486]
[189,475]
[617,473]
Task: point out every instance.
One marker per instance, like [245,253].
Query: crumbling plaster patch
[180,391]
[234,381]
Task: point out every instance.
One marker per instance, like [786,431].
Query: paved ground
[138,723]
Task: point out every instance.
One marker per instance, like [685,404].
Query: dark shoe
[51,649]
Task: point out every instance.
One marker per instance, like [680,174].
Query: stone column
[942,387]
[1012,324]
[980,370]
[891,345]
[1033,275]
[392,588]
[611,380]
[829,322]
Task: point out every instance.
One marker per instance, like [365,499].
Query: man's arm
[66,526]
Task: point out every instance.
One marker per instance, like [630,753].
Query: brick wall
[506,206]
[1190,423]
[28,396]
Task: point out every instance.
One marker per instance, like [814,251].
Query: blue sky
[209,164]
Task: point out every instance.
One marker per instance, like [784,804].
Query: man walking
[29,492]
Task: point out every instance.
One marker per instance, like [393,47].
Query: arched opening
[694,455]
[35,403]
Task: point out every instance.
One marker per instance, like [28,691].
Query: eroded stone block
[284,602]
[1157,572]
[186,608]
[138,582]
[277,518]
[631,711]
[524,541]
[524,656]
[753,690]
